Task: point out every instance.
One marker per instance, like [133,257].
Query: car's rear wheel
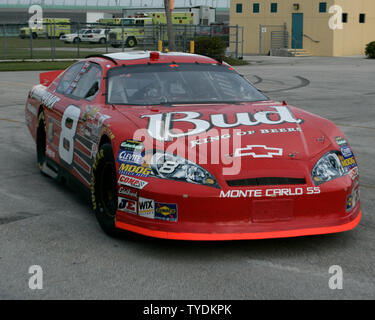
[41,142]
[104,190]
[102,41]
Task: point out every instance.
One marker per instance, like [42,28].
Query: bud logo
[146,208]
[160,126]
[127,205]
[132,182]
[258,151]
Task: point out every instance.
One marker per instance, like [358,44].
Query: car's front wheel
[104,190]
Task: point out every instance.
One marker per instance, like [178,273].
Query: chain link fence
[77,40]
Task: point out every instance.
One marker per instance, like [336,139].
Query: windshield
[178,83]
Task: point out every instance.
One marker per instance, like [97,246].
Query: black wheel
[41,141]
[104,190]
[34,35]
[76,40]
[131,42]
[102,41]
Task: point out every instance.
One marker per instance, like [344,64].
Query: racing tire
[131,42]
[41,142]
[104,190]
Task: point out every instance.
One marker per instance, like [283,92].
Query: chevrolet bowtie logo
[258,151]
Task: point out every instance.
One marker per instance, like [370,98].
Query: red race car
[180,146]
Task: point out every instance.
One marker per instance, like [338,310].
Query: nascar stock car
[181,146]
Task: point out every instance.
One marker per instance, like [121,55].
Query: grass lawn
[44,54]
[34,66]
[17,48]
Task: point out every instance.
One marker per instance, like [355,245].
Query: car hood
[259,131]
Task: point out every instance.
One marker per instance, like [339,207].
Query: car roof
[135,57]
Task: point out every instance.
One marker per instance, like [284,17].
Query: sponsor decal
[134,170]
[194,143]
[353,198]
[146,208]
[40,93]
[257,193]
[132,145]
[341,141]
[258,151]
[346,157]
[160,126]
[354,173]
[129,157]
[348,163]
[166,211]
[127,205]
[132,182]
[346,152]
[127,192]
[92,124]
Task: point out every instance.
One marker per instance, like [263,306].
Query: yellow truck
[136,29]
[50,27]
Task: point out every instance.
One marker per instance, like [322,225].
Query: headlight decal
[327,168]
[172,167]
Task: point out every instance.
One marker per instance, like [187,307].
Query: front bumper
[206,216]
[351,224]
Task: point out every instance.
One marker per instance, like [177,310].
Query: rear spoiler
[46,78]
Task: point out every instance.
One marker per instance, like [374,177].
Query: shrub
[370,50]
[211,47]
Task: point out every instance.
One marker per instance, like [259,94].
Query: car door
[69,134]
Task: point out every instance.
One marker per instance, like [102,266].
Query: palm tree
[170,31]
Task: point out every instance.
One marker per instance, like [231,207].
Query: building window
[323,7]
[344,18]
[239,7]
[362,18]
[256,7]
[273,7]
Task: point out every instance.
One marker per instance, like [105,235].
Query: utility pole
[168,5]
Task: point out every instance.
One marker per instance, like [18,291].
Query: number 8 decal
[66,144]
